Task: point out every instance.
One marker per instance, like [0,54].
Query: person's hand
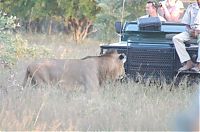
[197,32]
[192,33]
[162,4]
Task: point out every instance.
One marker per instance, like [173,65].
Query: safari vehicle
[149,48]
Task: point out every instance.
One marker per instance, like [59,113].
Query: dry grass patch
[120,106]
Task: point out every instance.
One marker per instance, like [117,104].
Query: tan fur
[89,72]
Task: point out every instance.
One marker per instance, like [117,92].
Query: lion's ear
[122,57]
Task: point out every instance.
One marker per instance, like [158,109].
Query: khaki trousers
[178,41]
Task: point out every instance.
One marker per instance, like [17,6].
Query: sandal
[188,65]
[196,69]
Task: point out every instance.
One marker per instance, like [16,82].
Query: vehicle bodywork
[151,52]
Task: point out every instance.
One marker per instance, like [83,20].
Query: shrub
[12,45]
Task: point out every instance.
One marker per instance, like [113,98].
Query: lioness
[90,72]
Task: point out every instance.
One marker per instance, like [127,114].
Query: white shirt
[197,21]
[162,19]
[190,15]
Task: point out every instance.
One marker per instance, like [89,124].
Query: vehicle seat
[187,43]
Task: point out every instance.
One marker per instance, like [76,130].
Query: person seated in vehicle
[197,33]
[152,10]
[171,10]
[191,20]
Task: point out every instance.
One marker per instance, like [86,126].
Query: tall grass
[116,106]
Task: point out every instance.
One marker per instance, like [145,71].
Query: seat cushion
[191,41]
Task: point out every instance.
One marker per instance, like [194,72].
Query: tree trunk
[30,20]
[50,27]
[80,28]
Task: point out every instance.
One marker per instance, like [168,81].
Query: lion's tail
[26,78]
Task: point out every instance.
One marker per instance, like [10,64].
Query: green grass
[120,106]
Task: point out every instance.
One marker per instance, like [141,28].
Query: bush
[7,48]
[12,45]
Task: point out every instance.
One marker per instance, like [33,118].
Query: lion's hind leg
[27,75]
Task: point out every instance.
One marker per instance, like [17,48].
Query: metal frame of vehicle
[151,52]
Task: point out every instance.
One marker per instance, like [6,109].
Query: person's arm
[166,12]
[198,38]
[173,16]
[187,16]
[188,28]
[191,31]
[197,23]
[197,34]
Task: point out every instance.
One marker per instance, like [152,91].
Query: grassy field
[120,106]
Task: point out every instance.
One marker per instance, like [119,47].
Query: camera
[161,3]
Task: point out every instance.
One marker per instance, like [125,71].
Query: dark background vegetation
[80,18]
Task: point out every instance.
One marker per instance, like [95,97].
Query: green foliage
[47,10]
[136,9]
[78,8]
[39,52]
[12,46]
[102,13]
[111,11]
[24,9]
[39,9]
[7,48]
[23,50]
[80,15]
[7,23]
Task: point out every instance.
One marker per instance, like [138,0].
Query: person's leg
[178,41]
[197,67]
[198,42]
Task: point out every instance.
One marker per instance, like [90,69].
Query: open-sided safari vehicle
[149,48]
